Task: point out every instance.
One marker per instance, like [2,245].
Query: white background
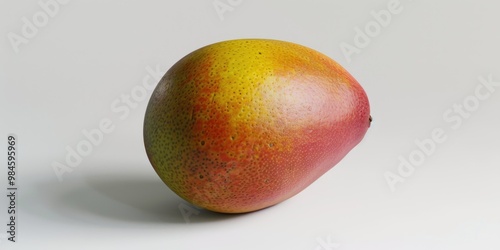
[65,77]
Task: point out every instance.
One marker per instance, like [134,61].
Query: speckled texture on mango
[241,125]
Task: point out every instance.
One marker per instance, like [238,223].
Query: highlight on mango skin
[242,125]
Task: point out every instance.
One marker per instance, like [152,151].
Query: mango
[241,125]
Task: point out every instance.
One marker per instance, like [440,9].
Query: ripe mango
[242,125]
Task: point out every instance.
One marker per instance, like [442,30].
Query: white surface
[429,57]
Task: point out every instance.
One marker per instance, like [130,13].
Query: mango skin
[242,125]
